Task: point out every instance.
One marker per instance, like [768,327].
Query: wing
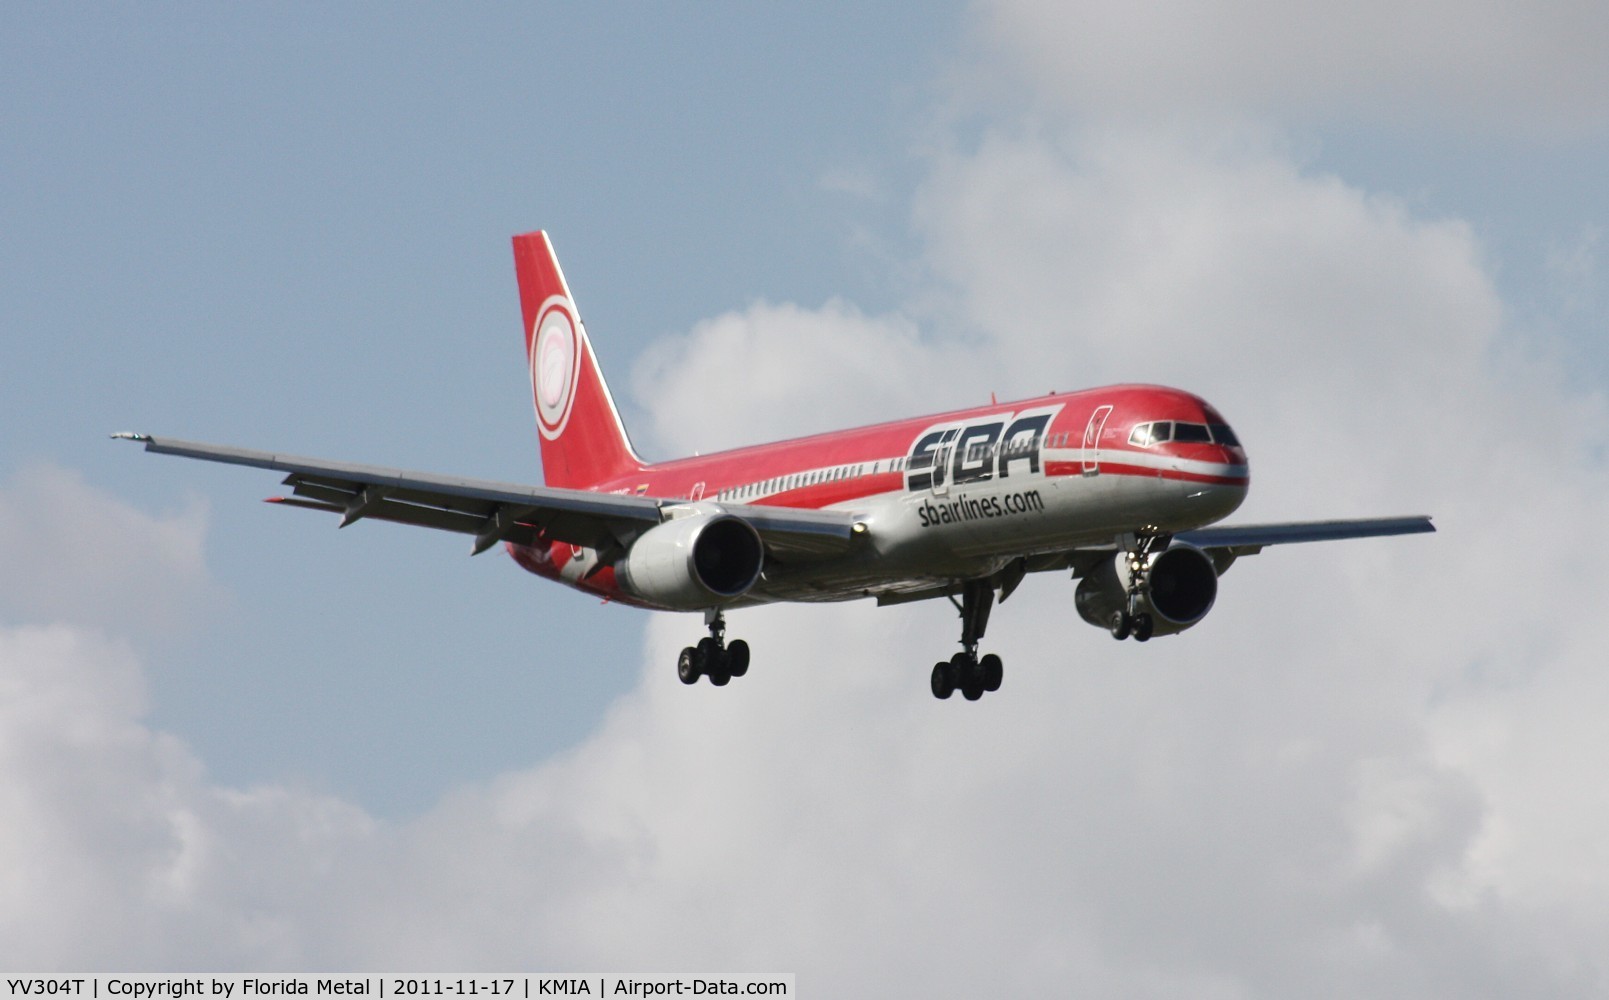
[1223,543]
[1249,539]
[495,512]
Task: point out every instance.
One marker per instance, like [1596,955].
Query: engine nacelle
[1177,588]
[699,561]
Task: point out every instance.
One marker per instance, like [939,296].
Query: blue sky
[288,229]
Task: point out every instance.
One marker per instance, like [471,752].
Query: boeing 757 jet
[1120,488]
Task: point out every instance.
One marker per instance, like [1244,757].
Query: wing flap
[421,517]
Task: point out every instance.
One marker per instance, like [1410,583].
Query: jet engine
[698,561]
[1176,588]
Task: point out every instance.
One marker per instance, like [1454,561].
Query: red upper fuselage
[789,470]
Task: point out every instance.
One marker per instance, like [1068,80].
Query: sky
[233,738]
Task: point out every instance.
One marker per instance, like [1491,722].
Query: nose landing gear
[1132,622]
[713,657]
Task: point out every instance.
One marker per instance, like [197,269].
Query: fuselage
[957,495]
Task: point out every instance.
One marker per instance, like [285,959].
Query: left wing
[1249,539]
[497,512]
[1223,543]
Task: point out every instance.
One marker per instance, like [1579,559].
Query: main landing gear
[972,674]
[713,657]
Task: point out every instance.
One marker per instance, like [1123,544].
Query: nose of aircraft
[1207,445]
[1213,501]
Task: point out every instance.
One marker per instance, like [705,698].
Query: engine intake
[1177,588]
[694,562]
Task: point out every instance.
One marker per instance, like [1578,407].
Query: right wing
[498,512]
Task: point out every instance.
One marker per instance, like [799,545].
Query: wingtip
[131,436]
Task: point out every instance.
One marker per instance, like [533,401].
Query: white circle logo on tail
[555,365]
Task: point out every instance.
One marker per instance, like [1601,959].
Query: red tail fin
[584,443]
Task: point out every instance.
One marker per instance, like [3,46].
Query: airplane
[1121,487]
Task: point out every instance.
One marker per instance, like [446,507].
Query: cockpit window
[1156,432]
[1162,431]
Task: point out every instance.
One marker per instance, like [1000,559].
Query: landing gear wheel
[737,658]
[965,671]
[1121,625]
[967,676]
[1143,627]
[992,670]
[687,666]
[712,657]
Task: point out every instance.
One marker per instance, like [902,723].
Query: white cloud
[75,554]
[121,854]
[1488,63]
[1575,270]
[778,371]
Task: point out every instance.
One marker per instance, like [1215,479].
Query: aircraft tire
[967,676]
[1121,625]
[687,666]
[992,671]
[737,657]
[1143,627]
[943,685]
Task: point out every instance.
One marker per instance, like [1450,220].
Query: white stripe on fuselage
[1146,460]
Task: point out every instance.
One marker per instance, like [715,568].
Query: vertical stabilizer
[583,441]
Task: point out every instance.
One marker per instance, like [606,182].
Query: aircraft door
[1092,440]
[941,465]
